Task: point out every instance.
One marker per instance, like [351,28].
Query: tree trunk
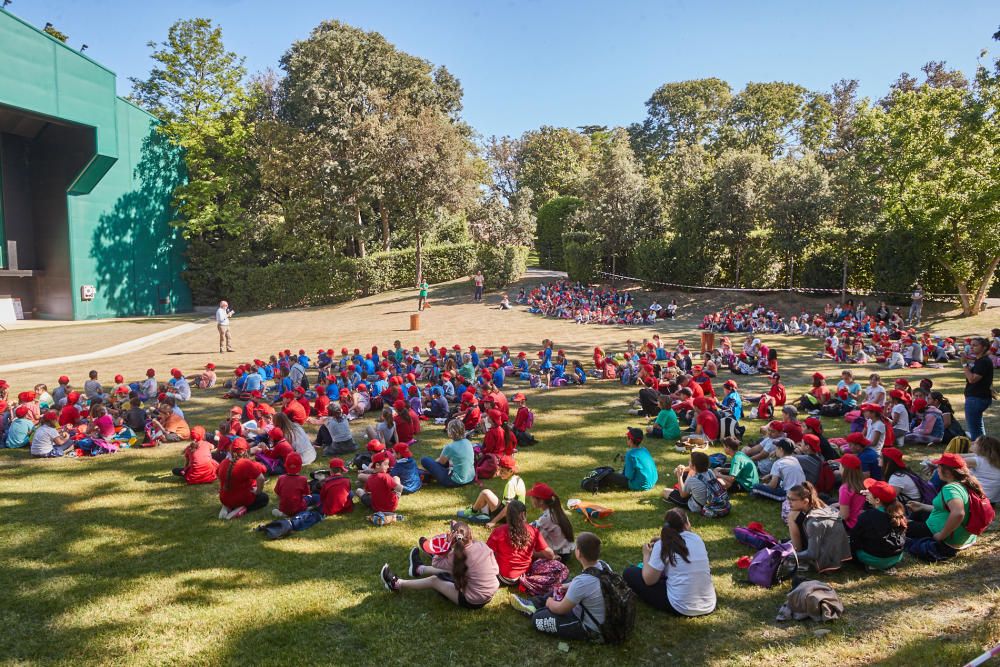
[963,297]
[791,271]
[614,268]
[739,256]
[418,257]
[984,286]
[843,283]
[384,213]
[361,238]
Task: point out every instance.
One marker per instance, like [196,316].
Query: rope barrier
[827,290]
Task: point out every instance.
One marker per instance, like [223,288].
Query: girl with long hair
[241,482]
[554,524]
[879,536]
[851,495]
[937,531]
[675,574]
[465,574]
[517,543]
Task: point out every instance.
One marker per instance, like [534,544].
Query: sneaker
[236,513]
[224,513]
[467,513]
[634,413]
[389,579]
[415,562]
[523,605]
[278,514]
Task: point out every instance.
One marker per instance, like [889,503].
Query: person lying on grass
[489,509]
[466,574]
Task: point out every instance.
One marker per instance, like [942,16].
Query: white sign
[87,292]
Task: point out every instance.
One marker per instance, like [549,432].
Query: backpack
[981,514]
[729,427]
[590,511]
[718,499]
[619,606]
[275,530]
[362,460]
[925,488]
[827,479]
[543,577]
[716,460]
[772,565]
[765,409]
[958,445]
[592,482]
[754,536]
[531,420]
[487,466]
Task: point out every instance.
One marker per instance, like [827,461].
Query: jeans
[974,409]
[479,293]
[765,491]
[915,310]
[438,472]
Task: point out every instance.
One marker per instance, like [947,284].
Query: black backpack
[592,482]
[619,605]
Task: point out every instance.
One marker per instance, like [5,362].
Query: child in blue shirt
[406,469]
[639,473]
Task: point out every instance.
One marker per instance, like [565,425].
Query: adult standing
[916,304]
[222,316]
[978,371]
[479,281]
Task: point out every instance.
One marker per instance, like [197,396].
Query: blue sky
[525,63]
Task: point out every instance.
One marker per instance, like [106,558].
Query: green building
[85,189]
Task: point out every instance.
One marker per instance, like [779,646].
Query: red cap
[197,433]
[176,372]
[542,491]
[871,407]
[850,461]
[276,434]
[50,415]
[63,379]
[814,423]
[122,390]
[293,464]
[338,464]
[902,382]
[898,394]
[776,426]
[918,405]
[235,410]
[403,450]
[495,417]
[381,456]
[881,490]
[119,378]
[239,445]
[21,411]
[858,438]
[519,397]
[375,445]
[161,397]
[731,384]
[508,462]
[150,372]
[72,397]
[399,405]
[818,376]
[812,441]
[793,431]
[288,395]
[950,461]
[894,455]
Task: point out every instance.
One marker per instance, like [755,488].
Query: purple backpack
[772,565]
[543,577]
[754,537]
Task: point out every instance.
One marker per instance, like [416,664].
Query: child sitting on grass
[553,523]
[199,466]
[489,509]
[382,490]
[335,493]
[639,473]
[666,426]
[241,482]
[292,489]
[741,474]
[405,469]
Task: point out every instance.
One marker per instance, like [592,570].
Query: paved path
[113,351]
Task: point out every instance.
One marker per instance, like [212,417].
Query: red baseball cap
[288,395]
[775,426]
[519,397]
[950,461]
[508,462]
[375,445]
[814,423]
[542,491]
[239,445]
[850,461]
[21,411]
[812,441]
[858,438]
[293,463]
[381,456]
[276,434]
[63,379]
[403,450]
[881,490]
[918,405]
[197,433]
[150,372]
[337,464]
[894,455]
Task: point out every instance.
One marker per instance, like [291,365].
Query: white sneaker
[224,512]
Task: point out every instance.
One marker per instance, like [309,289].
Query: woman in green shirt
[937,531]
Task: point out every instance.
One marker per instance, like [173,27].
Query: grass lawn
[111,560]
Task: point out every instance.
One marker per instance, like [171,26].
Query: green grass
[111,560]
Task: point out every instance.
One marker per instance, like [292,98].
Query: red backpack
[981,513]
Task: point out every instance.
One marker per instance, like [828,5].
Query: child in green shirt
[741,474]
[666,425]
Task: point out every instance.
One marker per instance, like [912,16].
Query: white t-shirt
[44,440]
[789,471]
[988,476]
[689,583]
[900,418]
[875,395]
[876,426]
[905,486]
[300,442]
[553,534]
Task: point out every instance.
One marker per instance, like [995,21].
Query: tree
[799,203]
[682,112]
[777,119]
[934,151]
[433,173]
[498,224]
[553,220]
[620,206]
[552,161]
[502,157]
[740,185]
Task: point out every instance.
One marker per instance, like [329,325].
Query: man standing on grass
[916,305]
[222,316]
[478,280]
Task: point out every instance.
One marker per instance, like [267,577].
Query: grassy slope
[110,560]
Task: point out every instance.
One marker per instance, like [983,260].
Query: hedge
[582,255]
[553,216]
[318,282]
[501,266]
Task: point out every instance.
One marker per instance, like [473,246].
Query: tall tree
[681,112]
[195,88]
[502,157]
[799,204]
[620,205]
[552,161]
[740,185]
[934,150]
[777,118]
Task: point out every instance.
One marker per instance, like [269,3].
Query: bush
[501,266]
[581,256]
[383,271]
[653,260]
[551,223]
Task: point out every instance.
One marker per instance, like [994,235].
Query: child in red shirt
[241,482]
[199,466]
[523,421]
[382,490]
[274,457]
[335,494]
[293,408]
[292,489]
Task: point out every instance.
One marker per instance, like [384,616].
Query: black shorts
[497,511]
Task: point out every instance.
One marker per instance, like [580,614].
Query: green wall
[117,204]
